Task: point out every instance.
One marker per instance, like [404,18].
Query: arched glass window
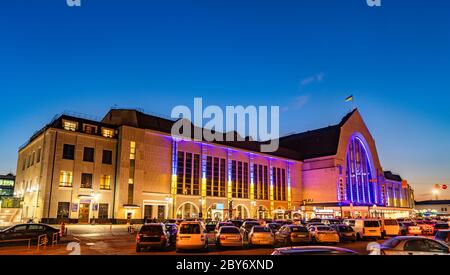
[361,188]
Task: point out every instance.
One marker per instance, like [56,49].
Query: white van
[367,228]
[192,235]
[389,227]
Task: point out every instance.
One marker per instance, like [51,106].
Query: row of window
[64,210]
[88,154]
[189,169]
[66,180]
[31,159]
[6,182]
[87,128]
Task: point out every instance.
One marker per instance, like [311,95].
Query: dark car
[284,222]
[274,226]
[172,229]
[292,234]
[313,250]
[345,232]
[152,235]
[443,236]
[28,231]
[440,226]
[247,227]
[211,227]
[237,223]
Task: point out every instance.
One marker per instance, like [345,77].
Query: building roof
[432,202]
[8,177]
[317,143]
[390,176]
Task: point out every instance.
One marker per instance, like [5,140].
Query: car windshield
[151,229]
[390,222]
[391,243]
[229,230]
[345,228]
[261,229]
[190,228]
[249,225]
[298,229]
[371,224]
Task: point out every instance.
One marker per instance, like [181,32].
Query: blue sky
[305,56]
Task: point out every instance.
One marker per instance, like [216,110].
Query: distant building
[128,167]
[7,186]
[433,208]
[399,192]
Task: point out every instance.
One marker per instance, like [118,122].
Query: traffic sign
[444,186]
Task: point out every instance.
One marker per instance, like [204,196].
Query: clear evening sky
[305,56]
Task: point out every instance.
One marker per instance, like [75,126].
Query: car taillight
[163,238]
[138,237]
[222,237]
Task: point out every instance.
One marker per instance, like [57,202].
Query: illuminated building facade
[128,167]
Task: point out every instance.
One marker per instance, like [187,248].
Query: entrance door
[148,212]
[83,215]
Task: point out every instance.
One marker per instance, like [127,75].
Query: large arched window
[361,186]
[187,211]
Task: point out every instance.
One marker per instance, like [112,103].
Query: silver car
[411,245]
[229,236]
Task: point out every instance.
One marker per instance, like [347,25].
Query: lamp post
[435,193]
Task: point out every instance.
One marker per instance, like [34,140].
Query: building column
[289,197]
[252,187]
[202,201]
[229,185]
[272,205]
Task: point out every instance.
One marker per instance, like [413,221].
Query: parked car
[211,227]
[315,224]
[192,235]
[425,227]
[246,227]
[172,229]
[237,223]
[389,227]
[443,236]
[229,236]
[274,226]
[152,235]
[261,235]
[284,222]
[315,220]
[411,245]
[330,222]
[349,222]
[28,231]
[412,228]
[323,234]
[292,234]
[367,228]
[313,250]
[220,224]
[345,232]
[440,226]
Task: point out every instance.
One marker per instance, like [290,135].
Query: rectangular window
[233,179]
[188,174]
[38,156]
[216,178]
[196,186]
[32,158]
[209,187]
[103,210]
[63,210]
[266,183]
[283,185]
[255,181]
[245,193]
[88,154]
[180,173]
[69,151]
[86,180]
[222,178]
[89,129]
[107,157]
[105,182]
[239,182]
[65,179]
[70,125]
[24,164]
[108,133]
[132,150]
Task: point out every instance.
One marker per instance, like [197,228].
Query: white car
[261,235]
[367,228]
[323,234]
[192,235]
[409,245]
